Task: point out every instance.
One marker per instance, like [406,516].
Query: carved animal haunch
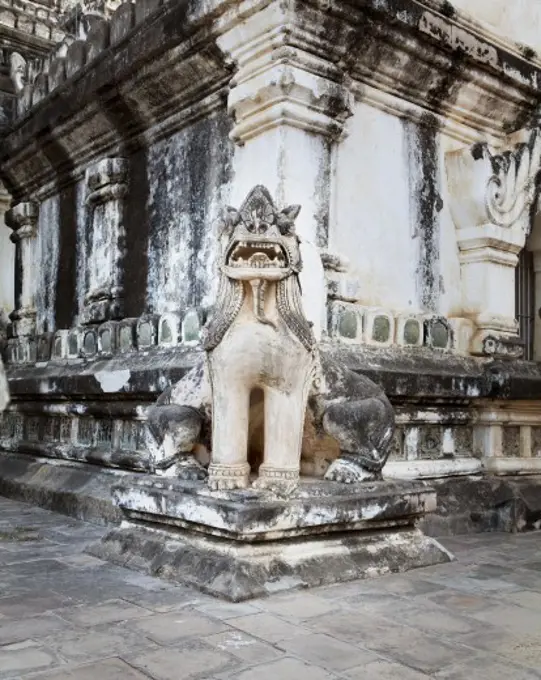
[258,338]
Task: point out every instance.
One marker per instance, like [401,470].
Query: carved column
[107,186]
[491,200]
[7,264]
[534,246]
[22,219]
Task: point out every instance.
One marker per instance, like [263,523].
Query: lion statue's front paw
[346,471]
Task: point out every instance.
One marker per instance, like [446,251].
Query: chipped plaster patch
[113,381]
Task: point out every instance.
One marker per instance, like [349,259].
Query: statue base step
[244,544]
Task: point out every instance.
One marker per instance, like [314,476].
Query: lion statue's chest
[261,354]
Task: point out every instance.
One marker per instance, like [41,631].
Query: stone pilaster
[492,195]
[22,219]
[107,186]
[289,106]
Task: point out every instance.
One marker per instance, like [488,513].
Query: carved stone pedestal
[245,544]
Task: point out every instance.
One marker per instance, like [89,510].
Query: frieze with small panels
[427,441]
[353,323]
[109,338]
[112,442]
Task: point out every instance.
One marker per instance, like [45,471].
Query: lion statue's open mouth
[257,254]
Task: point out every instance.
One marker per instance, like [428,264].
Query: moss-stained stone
[412,332]
[463,441]
[430,441]
[536,442]
[381,329]
[191,326]
[348,325]
[397,445]
[511,441]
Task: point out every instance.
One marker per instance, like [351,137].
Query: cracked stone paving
[65,615]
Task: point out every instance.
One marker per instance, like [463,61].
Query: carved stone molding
[280,82]
[492,197]
[23,219]
[107,186]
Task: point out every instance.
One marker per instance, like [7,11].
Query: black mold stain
[323,197]
[209,156]
[196,165]
[447,9]
[66,277]
[157,240]
[422,152]
[137,230]
[65,302]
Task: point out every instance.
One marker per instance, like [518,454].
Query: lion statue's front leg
[178,425]
[354,411]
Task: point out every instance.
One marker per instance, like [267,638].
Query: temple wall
[390,126]
[404,252]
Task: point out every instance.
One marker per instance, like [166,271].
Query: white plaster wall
[516,20]
[450,302]
[47,249]
[370,218]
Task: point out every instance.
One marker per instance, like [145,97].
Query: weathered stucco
[396,125]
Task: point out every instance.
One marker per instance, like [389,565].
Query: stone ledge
[420,373]
[237,572]
[248,515]
[469,505]
[81,491]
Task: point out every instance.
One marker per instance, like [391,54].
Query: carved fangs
[257,255]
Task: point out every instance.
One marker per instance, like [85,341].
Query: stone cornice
[153,69]
[405,55]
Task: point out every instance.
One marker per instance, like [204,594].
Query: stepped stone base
[245,544]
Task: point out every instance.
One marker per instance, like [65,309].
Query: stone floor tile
[108,669]
[518,620]
[483,668]
[193,661]
[18,606]
[166,629]
[267,627]
[38,568]
[243,646]
[524,598]
[284,669]
[476,586]
[380,669]
[417,650]
[34,627]
[400,643]
[524,650]
[24,657]
[296,607]
[83,645]
[227,610]
[163,600]
[431,619]
[108,612]
[327,651]
[459,601]
[404,586]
